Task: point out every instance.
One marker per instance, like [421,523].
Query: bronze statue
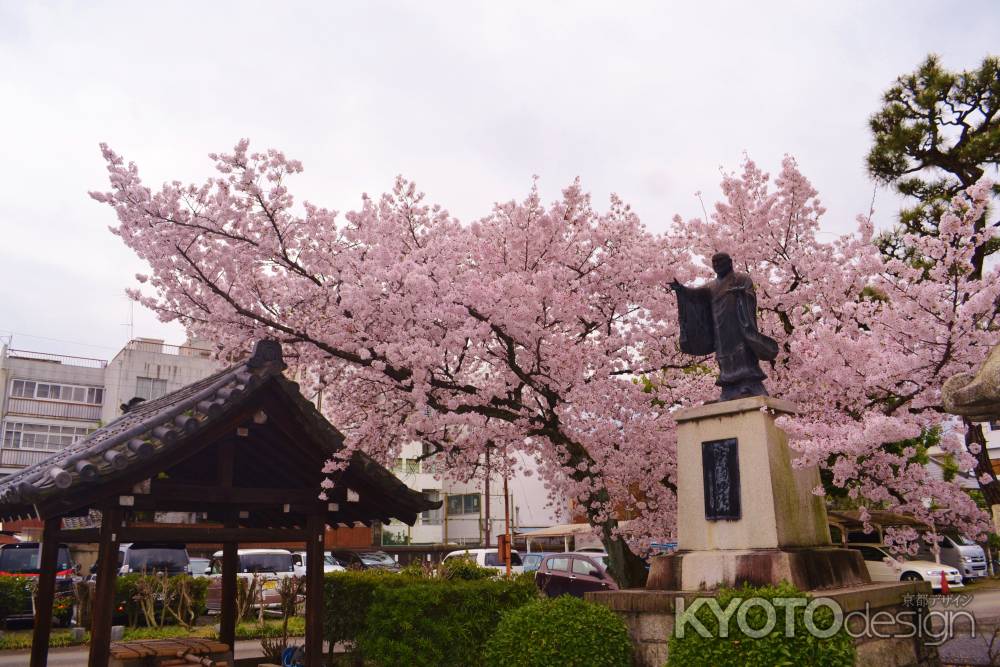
[721,317]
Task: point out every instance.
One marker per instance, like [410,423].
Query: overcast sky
[469,99]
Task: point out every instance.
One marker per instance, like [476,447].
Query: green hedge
[741,650]
[560,631]
[464,568]
[15,596]
[395,619]
[347,597]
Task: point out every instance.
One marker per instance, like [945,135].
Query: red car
[573,574]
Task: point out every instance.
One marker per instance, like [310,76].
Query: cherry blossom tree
[550,329]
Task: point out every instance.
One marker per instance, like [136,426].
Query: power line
[58,340]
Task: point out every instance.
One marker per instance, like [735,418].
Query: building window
[49,437]
[412,466]
[467,503]
[150,388]
[431,517]
[472,503]
[70,393]
[430,459]
[995,425]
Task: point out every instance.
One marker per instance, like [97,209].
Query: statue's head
[722,263]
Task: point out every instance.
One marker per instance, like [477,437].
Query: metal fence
[68,360]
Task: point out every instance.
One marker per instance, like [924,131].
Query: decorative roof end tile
[266,352]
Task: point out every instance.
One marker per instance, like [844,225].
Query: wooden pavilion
[243,448]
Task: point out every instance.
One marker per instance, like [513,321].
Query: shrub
[15,596]
[62,608]
[346,598]
[560,631]
[740,650]
[290,591]
[436,622]
[140,598]
[126,599]
[416,569]
[394,618]
[463,568]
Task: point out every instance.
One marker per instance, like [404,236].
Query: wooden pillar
[227,622]
[45,593]
[104,590]
[230,557]
[315,527]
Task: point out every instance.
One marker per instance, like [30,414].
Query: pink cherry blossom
[550,328]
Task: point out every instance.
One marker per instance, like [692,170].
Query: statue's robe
[721,317]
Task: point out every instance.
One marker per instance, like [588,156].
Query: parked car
[531,560]
[149,557]
[268,565]
[959,552]
[489,558]
[21,559]
[882,566]
[330,564]
[365,560]
[200,567]
[573,574]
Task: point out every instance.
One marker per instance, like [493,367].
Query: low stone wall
[650,617]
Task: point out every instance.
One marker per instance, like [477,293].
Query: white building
[462,518]
[992,432]
[48,401]
[147,368]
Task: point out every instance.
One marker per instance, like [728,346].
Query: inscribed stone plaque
[720,464]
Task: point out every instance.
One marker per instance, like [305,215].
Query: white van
[330,563]
[961,553]
[268,565]
[488,558]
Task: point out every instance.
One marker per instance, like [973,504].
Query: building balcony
[29,407]
[21,458]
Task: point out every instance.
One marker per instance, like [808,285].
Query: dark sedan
[366,560]
[573,574]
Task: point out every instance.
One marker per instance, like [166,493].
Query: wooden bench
[186,652]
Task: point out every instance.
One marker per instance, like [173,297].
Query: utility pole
[486,508]
[506,521]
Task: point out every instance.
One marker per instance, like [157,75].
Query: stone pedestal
[744,514]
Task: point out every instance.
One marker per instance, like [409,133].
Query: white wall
[151,359]
[992,439]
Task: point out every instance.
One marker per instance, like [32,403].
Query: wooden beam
[45,593]
[211,536]
[192,534]
[210,493]
[104,590]
[80,536]
[226,463]
[314,591]
[153,503]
